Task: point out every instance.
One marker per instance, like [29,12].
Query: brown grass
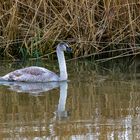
[30,28]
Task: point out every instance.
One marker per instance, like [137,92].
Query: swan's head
[64,47]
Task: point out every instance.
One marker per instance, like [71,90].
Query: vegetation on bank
[31,28]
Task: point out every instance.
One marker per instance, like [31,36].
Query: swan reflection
[32,88]
[62,101]
[37,89]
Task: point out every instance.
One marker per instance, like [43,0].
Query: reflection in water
[36,89]
[100,108]
[62,100]
[32,88]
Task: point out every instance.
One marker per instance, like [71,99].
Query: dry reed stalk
[32,27]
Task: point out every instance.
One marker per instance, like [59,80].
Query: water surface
[96,104]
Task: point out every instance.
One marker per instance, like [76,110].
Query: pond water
[96,104]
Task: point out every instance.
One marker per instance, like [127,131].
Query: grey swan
[40,74]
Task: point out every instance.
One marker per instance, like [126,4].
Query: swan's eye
[68,49]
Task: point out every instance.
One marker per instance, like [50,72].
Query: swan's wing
[35,71]
[31,74]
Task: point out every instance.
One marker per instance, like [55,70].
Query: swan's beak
[68,49]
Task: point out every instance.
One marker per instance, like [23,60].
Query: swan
[40,74]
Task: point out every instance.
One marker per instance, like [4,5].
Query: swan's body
[31,74]
[39,74]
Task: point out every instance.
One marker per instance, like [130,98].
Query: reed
[30,28]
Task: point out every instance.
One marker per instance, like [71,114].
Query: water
[96,104]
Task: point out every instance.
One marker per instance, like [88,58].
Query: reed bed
[31,28]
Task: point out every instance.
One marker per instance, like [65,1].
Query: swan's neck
[62,64]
